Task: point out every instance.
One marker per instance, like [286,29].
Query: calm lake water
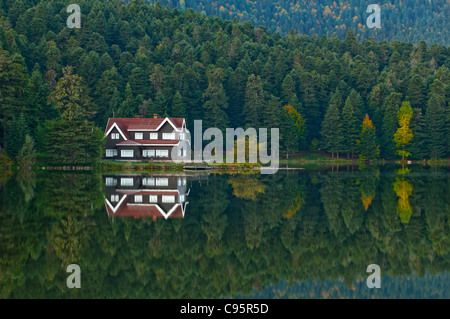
[296,234]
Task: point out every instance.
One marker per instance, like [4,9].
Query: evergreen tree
[367,143]
[15,138]
[389,126]
[435,122]
[332,136]
[254,101]
[350,125]
[71,97]
[215,101]
[27,154]
[178,108]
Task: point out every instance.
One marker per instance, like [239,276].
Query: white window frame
[114,198]
[153,136]
[162,153]
[168,136]
[182,136]
[168,198]
[122,153]
[138,136]
[111,152]
[138,198]
[161,181]
[115,136]
[182,198]
[148,181]
[124,181]
[148,153]
[110,181]
[153,198]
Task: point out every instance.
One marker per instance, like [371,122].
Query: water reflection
[230,235]
[148,196]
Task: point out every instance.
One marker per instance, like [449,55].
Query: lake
[297,234]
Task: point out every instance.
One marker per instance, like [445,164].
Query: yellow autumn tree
[403,189]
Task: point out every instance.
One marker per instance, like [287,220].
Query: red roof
[142,142]
[142,211]
[126,124]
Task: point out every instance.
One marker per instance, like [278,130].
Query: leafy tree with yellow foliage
[367,143]
[404,133]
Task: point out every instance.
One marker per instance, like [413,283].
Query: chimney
[155,116]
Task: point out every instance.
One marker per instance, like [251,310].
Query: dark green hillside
[143,59]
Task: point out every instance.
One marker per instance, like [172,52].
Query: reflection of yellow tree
[403,189]
[296,205]
[246,187]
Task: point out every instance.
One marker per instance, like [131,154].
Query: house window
[148,181]
[126,181]
[184,181]
[111,152]
[148,153]
[138,198]
[162,153]
[127,153]
[153,136]
[111,181]
[168,199]
[138,136]
[168,136]
[115,136]
[182,198]
[162,182]
[179,182]
[114,198]
[153,198]
[182,153]
[182,136]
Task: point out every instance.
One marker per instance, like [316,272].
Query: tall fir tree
[332,137]
[254,101]
[215,101]
[389,125]
[368,147]
[435,123]
[178,107]
[350,124]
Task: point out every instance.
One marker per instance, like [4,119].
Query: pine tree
[404,133]
[367,144]
[15,138]
[27,154]
[435,122]
[350,124]
[416,92]
[389,126]
[332,126]
[254,101]
[215,101]
[417,145]
[71,97]
[178,108]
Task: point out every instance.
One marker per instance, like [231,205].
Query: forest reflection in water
[185,236]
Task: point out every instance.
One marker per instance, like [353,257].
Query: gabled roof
[146,124]
[149,210]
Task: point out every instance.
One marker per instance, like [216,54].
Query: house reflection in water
[148,196]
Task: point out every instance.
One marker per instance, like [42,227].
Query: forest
[240,234]
[402,20]
[355,99]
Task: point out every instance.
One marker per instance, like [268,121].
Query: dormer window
[153,136]
[115,136]
[138,136]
